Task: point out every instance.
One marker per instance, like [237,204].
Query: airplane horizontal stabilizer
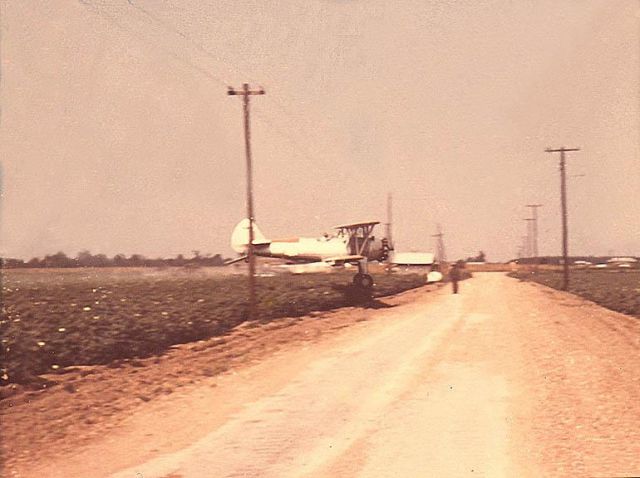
[233,261]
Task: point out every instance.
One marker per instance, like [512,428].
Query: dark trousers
[455,286]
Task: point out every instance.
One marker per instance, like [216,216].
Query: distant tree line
[86,259]
[481,257]
[557,260]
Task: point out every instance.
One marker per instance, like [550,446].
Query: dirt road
[504,379]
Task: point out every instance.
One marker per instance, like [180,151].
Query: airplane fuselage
[307,249]
[304,248]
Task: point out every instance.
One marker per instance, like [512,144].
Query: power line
[114,21]
[171,27]
[300,149]
[202,49]
[168,26]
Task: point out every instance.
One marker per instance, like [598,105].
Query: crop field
[52,319]
[615,290]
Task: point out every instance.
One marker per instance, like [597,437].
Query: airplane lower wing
[340,260]
[333,261]
[307,268]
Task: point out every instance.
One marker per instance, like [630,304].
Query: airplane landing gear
[362,279]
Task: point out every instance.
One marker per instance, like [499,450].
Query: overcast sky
[117,135]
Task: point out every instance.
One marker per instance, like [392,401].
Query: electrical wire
[202,49]
[114,21]
[300,149]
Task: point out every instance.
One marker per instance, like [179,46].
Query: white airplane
[352,244]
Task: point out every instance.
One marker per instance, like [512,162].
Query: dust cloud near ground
[504,379]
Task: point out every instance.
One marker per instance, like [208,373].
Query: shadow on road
[358,297]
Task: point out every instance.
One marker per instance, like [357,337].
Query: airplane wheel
[364,281]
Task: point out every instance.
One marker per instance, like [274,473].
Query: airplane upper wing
[357,224]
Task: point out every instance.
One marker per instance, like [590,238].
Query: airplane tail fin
[240,236]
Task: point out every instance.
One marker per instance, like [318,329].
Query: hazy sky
[117,135]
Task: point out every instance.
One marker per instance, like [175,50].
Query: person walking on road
[454,275]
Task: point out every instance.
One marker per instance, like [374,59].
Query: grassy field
[52,319]
[616,290]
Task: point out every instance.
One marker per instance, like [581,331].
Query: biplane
[351,244]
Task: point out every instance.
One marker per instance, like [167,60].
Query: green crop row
[53,319]
[615,290]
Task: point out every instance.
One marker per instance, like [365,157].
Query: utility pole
[534,210]
[563,198]
[388,224]
[529,236]
[440,252]
[246,92]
